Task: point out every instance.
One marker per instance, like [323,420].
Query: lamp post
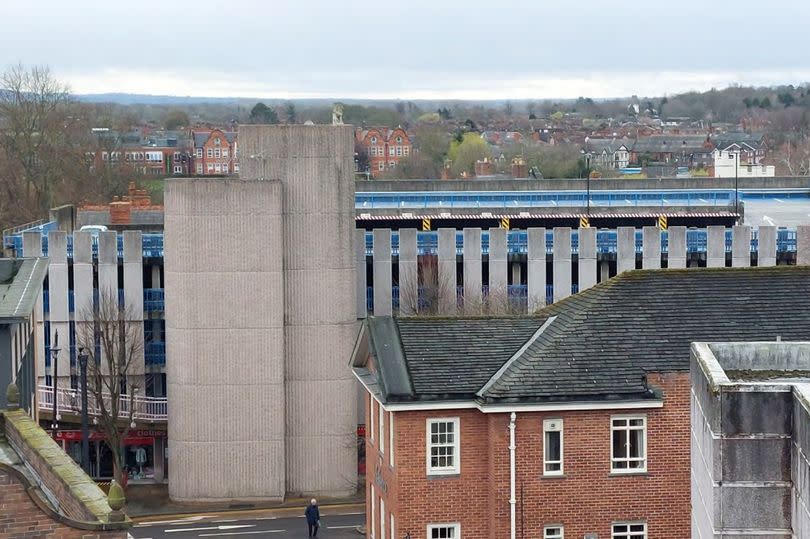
[85,429]
[54,380]
[588,182]
[736,183]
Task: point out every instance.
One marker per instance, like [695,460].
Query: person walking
[313,517]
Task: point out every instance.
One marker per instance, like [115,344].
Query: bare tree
[113,343]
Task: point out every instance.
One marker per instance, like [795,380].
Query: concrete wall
[315,165]
[225,333]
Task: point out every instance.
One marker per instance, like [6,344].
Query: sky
[414,49]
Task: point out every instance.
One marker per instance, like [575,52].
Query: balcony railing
[149,409]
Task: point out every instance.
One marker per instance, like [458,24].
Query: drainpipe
[512,500]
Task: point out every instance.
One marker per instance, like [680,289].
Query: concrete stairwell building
[261,318]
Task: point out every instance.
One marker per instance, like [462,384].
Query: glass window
[443,453]
[553,532]
[217,153]
[199,153]
[553,447]
[629,530]
[224,152]
[628,444]
[210,152]
[444,531]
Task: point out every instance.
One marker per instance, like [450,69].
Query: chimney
[519,168]
[484,167]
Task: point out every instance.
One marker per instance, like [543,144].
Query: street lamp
[54,380]
[83,355]
[588,182]
[736,181]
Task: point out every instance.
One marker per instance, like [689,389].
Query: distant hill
[144,99]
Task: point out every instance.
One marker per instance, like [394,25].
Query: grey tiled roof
[20,284]
[603,340]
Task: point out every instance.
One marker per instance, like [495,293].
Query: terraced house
[572,423]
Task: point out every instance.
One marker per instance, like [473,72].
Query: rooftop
[20,283]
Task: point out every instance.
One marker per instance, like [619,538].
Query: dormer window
[374,140]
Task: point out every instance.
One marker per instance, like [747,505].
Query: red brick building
[572,423]
[384,147]
[216,153]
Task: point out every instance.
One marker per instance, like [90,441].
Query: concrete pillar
[651,247]
[516,273]
[562,262]
[625,249]
[536,268]
[498,292]
[766,248]
[676,254]
[448,297]
[225,311]
[604,271]
[32,247]
[716,247]
[156,281]
[133,298]
[473,274]
[803,245]
[58,299]
[360,272]
[83,287]
[382,272]
[587,258]
[408,272]
[740,246]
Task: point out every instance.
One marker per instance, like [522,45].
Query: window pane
[553,446]
[619,443]
[619,422]
[637,443]
[637,422]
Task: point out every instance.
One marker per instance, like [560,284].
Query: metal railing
[151,409]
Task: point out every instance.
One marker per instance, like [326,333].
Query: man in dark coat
[313,517]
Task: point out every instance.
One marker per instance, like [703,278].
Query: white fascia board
[526,407]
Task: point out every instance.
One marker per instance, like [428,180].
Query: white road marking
[768,220]
[254,532]
[229,527]
[265,518]
[340,527]
[703,200]
[779,200]
[187,520]
[223,521]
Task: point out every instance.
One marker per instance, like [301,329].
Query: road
[247,526]
[777,212]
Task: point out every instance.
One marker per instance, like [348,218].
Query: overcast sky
[409,49]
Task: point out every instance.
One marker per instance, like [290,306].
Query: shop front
[144,456]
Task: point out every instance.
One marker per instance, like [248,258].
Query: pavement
[338,522]
[777,212]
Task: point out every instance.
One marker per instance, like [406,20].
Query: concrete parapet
[651,247]
[448,302]
[536,268]
[803,245]
[766,246]
[562,263]
[740,246]
[676,249]
[408,272]
[473,266]
[497,266]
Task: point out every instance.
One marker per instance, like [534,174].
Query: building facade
[215,153]
[384,147]
[571,423]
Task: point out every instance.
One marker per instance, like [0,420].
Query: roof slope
[20,284]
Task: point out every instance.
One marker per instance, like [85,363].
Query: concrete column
[83,287]
[408,272]
[625,249]
[473,274]
[58,299]
[676,256]
[536,268]
[562,262]
[740,246]
[156,281]
[498,292]
[108,274]
[32,247]
[516,273]
[360,273]
[766,248]
[382,272]
[133,297]
[448,298]
[587,258]
[803,245]
[651,247]
[716,247]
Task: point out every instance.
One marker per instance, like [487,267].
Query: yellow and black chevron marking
[425,223]
[584,222]
[662,222]
[505,223]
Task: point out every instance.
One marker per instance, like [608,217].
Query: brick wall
[21,517]
[586,500]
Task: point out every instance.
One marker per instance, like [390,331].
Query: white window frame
[555,531]
[373,513]
[391,151]
[393,533]
[381,165]
[406,150]
[217,168]
[455,526]
[210,153]
[371,410]
[391,443]
[217,153]
[628,534]
[381,421]
[399,151]
[225,168]
[199,168]
[382,518]
[199,153]
[447,470]
[178,169]
[628,429]
[553,425]
[224,152]
[210,167]
[235,168]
